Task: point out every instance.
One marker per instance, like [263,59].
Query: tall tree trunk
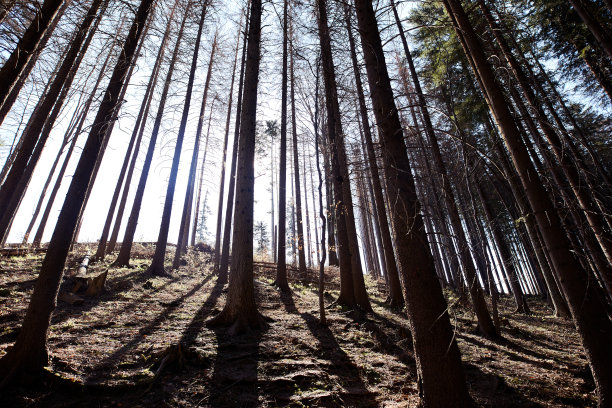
[203,166]
[132,152]
[440,375]
[395,291]
[352,286]
[42,120]
[5,107]
[225,143]
[240,310]
[14,67]
[43,221]
[223,263]
[189,193]
[585,302]
[29,354]
[107,135]
[281,263]
[296,169]
[157,265]
[123,259]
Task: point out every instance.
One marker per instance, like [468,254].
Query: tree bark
[14,67]
[441,378]
[240,310]
[585,302]
[29,354]
[157,265]
[123,259]
[352,286]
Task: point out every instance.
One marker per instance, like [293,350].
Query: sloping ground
[143,343]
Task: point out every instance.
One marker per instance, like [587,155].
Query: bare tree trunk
[43,221]
[157,265]
[223,264]
[132,151]
[225,143]
[123,259]
[197,210]
[29,354]
[14,67]
[281,263]
[583,299]
[395,291]
[296,169]
[181,244]
[240,310]
[440,375]
[350,263]
[42,119]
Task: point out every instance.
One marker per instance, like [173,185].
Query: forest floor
[108,351]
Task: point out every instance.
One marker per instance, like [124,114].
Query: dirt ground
[144,343]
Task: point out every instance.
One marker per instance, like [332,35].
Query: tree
[240,310]
[352,286]
[435,348]
[584,300]
[123,258]
[281,262]
[13,68]
[29,354]
[261,237]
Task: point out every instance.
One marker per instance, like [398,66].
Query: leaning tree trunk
[14,67]
[350,262]
[296,171]
[45,217]
[395,291]
[485,323]
[132,150]
[240,310]
[157,265]
[14,93]
[189,193]
[123,259]
[441,378]
[225,143]
[585,302]
[42,120]
[29,354]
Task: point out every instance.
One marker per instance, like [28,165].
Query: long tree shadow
[490,390]
[196,325]
[112,359]
[234,379]
[355,391]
